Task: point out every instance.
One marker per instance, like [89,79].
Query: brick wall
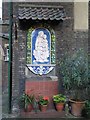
[19,51]
[5,28]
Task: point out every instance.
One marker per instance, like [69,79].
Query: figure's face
[41,33]
[45,36]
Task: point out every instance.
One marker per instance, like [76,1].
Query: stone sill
[42,78]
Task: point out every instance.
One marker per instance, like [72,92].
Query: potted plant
[74,70]
[43,103]
[59,101]
[28,101]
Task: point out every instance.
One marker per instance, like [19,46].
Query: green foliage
[86,111]
[87,105]
[74,70]
[28,99]
[59,98]
[43,100]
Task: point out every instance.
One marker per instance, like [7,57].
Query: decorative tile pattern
[40,50]
[40,69]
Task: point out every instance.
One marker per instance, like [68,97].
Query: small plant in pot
[74,70]
[59,101]
[28,101]
[43,103]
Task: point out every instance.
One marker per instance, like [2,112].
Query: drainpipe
[10,57]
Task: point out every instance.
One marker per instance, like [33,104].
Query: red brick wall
[45,88]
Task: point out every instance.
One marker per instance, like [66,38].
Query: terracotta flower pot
[29,108]
[77,107]
[59,106]
[43,108]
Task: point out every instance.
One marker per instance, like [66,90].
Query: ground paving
[48,114]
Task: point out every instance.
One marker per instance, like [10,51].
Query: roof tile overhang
[41,12]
